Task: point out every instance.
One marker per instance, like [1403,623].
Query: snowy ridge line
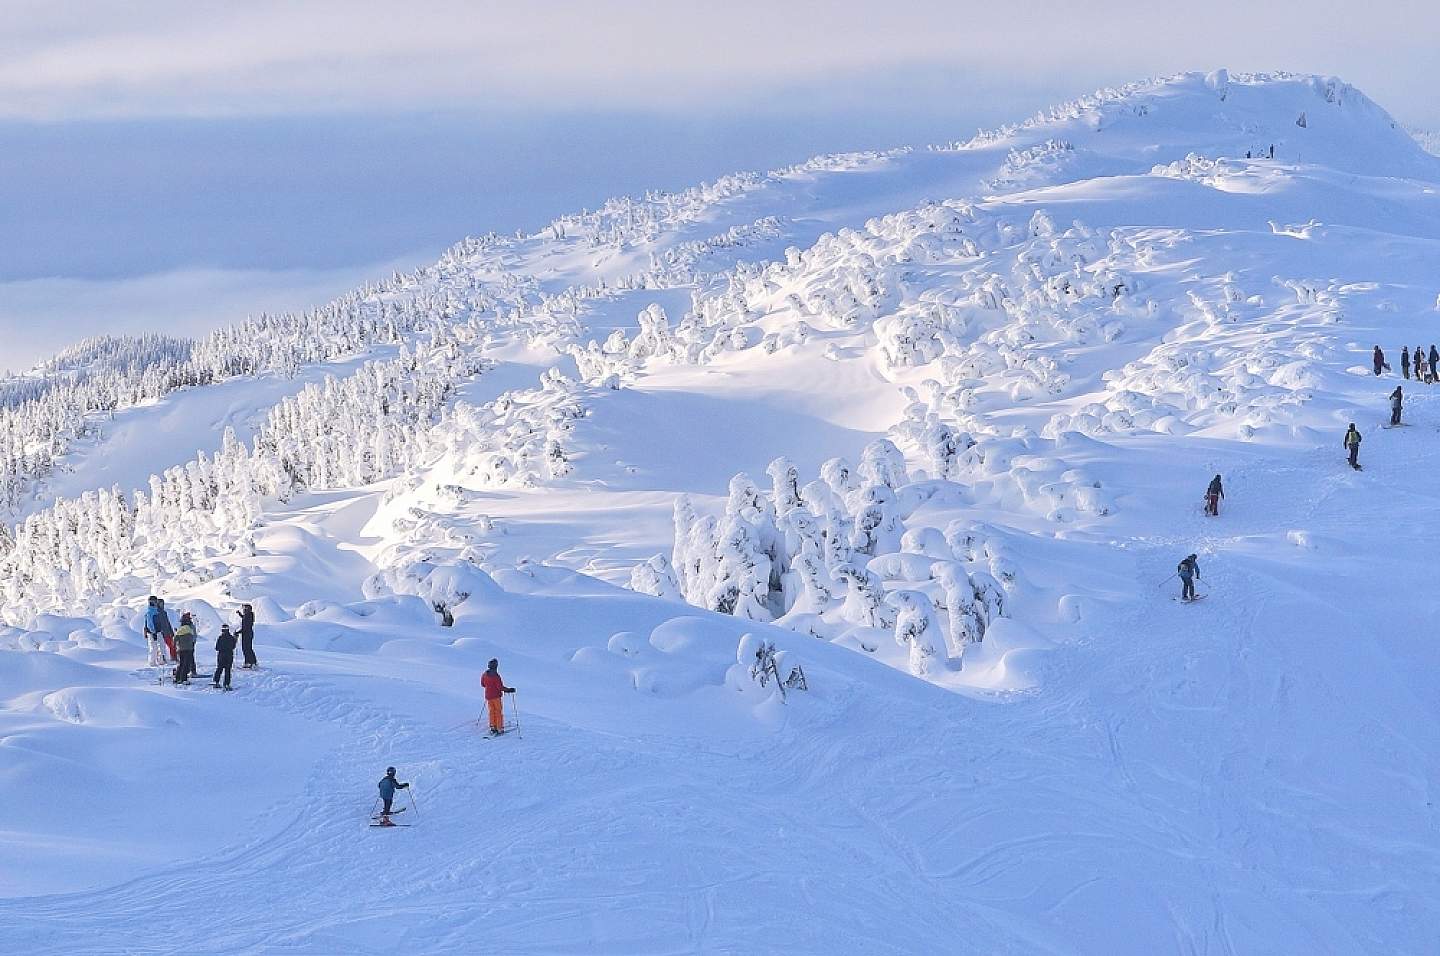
[344,433]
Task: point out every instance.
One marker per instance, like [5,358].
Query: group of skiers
[1426,365]
[179,643]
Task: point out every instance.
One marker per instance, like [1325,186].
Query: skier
[1189,570]
[247,636]
[185,644]
[1380,365]
[1434,364]
[1213,494]
[1419,364]
[388,786]
[494,688]
[224,655]
[153,634]
[1405,361]
[167,629]
[1352,442]
[1397,399]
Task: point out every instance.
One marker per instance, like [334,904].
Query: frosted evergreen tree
[917,627]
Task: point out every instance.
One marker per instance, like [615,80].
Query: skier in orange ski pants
[494,689]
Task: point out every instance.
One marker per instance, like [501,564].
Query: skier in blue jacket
[388,786]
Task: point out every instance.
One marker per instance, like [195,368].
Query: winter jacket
[1352,437]
[1215,488]
[1395,399]
[166,628]
[225,644]
[152,620]
[1188,569]
[247,623]
[1434,357]
[388,786]
[493,685]
[185,638]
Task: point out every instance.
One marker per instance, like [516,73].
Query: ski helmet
[389,771]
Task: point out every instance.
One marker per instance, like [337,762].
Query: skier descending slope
[1189,570]
[1397,400]
[1352,444]
[494,689]
[1213,494]
[388,785]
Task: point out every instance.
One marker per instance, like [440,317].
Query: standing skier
[1405,361]
[167,629]
[1213,494]
[1352,443]
[185,644]
[1189,570]
[224,655]
[494,688]
[1380,365]
[1397,400]
[388,786]
[1434,364]
[153,633]
[1419,364]
[247,636]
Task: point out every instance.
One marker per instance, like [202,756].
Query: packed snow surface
[930,427]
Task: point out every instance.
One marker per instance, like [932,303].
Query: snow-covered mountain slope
[950,411]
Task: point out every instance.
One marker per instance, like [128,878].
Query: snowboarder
[1397,400]
[1405,361]
[1434,364]
[247,636]
[185,644]
[388,786]
[494,688]
[1352,443]
[1380,365]
[224,655]
[1213,494]
[1189,570]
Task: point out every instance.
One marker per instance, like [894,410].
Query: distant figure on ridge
[1397,400]
[1189,570]
[1213,494]
[1352,444]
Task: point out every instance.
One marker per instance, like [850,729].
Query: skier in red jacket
[494,687]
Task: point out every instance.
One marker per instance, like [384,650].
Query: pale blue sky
[179,164]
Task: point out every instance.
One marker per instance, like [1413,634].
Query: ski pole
[515,709]
[1168,580]
[410,792]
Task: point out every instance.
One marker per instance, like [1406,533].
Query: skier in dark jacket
[1434,363]
[167,629]
[388,786]
[185,644]
[1397,400]
[1189,570]
[1405,361]
[1213,494]
[247,636]
[224,655]
[1379,360]
[1352,444]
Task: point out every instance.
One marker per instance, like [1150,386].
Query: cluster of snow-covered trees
[40,420]
[345,432]
[833,556]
